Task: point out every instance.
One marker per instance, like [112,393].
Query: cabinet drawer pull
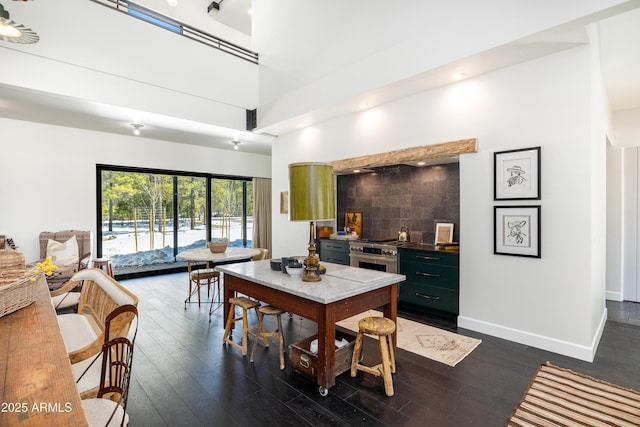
[333,259]
[428,258]
[420,273]
[425,296]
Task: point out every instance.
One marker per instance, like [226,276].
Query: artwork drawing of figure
[516,177]
[515,231]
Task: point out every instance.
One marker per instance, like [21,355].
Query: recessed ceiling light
[363,106]
[235,144]
[421,163]
[250,11]
[356,171]
[136,128]
[457,76]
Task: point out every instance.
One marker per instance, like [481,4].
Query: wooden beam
[408,155]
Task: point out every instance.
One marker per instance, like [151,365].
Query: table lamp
[311,199]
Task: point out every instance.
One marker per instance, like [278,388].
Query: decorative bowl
[295,271]
[218,246]
[285,263]
[276,264]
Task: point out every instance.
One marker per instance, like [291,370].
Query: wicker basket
[218,246]
[18,293]
[11,260]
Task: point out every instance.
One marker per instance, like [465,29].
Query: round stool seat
[104,262]
[204,273]
[382,327]
[377,326]
[269,310]
[244,302]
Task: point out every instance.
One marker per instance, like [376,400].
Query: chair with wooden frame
[264,254]
[84,333]
[199,277]
[116,359]
[84,240]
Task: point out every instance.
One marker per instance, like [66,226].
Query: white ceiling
[620,56]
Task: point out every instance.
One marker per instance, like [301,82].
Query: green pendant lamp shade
[311,192]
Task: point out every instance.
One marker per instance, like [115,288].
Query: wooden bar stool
[104,262]
[269,310]
[381,327]
[245,304]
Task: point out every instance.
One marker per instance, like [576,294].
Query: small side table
[104,262]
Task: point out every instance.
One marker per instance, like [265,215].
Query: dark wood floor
[184,376]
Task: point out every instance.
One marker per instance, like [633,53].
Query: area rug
[433,343]
[560,397]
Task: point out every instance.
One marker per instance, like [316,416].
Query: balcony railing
[170,24]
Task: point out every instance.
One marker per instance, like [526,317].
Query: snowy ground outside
[120,244]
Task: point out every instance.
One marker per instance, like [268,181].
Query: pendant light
[11,31]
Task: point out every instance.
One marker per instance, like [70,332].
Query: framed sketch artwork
[516,174]
[516,230]
[444,233]
[284,202]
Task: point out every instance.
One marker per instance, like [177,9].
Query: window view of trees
[148,218]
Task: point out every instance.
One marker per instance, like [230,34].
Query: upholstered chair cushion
[76,331]
[66,300]
[91,378]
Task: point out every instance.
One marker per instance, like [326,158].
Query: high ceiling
[620,56]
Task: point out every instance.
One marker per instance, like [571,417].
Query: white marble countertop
[338,283]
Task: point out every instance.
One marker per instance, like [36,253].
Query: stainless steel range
[381,256]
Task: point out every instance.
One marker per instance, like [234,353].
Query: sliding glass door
[147,217]
[232,211]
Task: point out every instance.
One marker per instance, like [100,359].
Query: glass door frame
[100,168]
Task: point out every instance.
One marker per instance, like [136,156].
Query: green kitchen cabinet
[432,278]
[335,251]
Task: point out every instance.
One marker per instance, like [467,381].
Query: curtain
[262,213]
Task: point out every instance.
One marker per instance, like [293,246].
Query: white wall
[543,302]
[630,185]
[113,58]
[317,54]
[615,209]
[49,174]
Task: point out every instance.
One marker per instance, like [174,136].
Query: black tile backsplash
[402,196]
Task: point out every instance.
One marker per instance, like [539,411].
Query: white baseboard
[614,296]
[566,348]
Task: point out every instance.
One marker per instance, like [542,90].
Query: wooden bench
[83,332]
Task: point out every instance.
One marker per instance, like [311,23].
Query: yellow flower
[46,267]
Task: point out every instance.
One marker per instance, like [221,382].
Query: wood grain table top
[37,386]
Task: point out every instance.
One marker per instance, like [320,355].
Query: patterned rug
[560,397]
[433,343]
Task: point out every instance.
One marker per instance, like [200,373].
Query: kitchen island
[343,292]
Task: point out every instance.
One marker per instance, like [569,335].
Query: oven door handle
[377,259]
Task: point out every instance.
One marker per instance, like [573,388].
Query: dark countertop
[429,247]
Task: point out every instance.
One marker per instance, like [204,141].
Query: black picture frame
[517,230]
[516,174]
